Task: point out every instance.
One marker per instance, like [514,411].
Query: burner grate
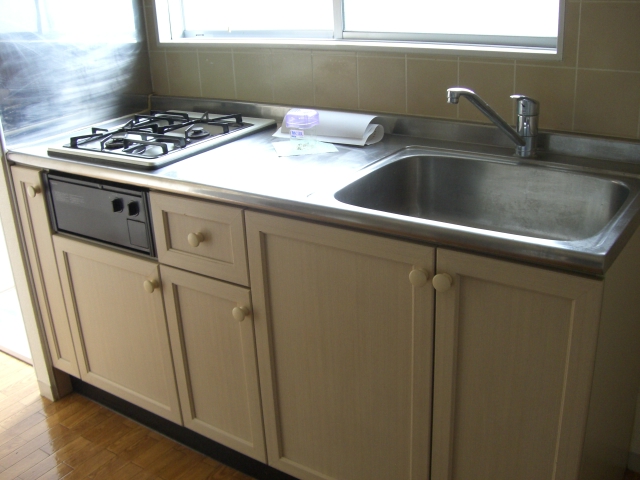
[166,130]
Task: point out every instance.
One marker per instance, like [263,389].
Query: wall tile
[570,47]
[494,83]
[184,75]
[159,77]
[293,77]
[554,89]
[427,82]
[254,79]
[382,83]
[335,80]
[420,55]
[610,36]
[216,74]
[607,103]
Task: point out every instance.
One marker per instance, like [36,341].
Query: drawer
[200,236]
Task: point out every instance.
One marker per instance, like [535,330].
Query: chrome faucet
[526,136]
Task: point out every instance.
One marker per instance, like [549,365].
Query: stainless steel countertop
[248,173]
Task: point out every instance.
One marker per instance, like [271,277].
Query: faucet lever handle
[526,105]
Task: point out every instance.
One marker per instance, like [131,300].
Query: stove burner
[136,149]
[114,143]
[196,132]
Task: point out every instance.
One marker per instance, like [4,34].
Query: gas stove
[159,138]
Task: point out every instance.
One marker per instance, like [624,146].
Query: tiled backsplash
[595,88]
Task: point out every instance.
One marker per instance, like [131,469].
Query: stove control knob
[33,190]
[133,208]
[117,204]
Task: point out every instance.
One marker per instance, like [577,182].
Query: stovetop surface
[159,138]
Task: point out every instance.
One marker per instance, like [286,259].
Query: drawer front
[200,236]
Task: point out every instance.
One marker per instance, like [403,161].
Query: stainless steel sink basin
[558,212]
[516,199]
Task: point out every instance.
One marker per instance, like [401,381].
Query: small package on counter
[291,149]
[341,127]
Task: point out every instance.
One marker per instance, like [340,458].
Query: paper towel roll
[345,128]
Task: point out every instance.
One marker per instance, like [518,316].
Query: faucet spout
[526,136]
[453,96]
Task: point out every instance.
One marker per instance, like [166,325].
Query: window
[497,25]
[68,20]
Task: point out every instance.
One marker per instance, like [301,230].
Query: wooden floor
[77,438]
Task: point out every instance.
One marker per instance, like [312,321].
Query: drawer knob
[150,285]
[33,190]
[239,313]
[442,282]
[418,277]
[195,239]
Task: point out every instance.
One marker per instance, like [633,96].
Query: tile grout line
[358,78]
[515,78]
[406,84]
[199,71]
[313,79]
[458,84]
[575,81]
[233,73]
[166,71]
[271,76]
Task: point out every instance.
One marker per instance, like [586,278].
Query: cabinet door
[215,359]
[514,356]
[42,263]
[344,350]
[118,325]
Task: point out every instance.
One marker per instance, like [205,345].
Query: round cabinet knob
[195,239]
[150,285]
[418,277]
[33,190]
[442,282]
[239,313]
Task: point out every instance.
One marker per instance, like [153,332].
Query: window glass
[223,16]
[522,25]
[18,17]
[467,17]
[69,20]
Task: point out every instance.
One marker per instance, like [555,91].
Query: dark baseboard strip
[218,452]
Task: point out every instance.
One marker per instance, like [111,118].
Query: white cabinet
[42,263]
[341,362]
[344,349]
[514,355]
[118,324]
[202,237]
[213,345]
[210,321]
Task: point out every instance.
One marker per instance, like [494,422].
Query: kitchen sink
[502,196]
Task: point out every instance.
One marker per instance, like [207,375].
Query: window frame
[448,44]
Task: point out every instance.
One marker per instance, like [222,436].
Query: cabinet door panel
[215,360]
[42,262]
[344,349]
[120,327]
[514,355]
